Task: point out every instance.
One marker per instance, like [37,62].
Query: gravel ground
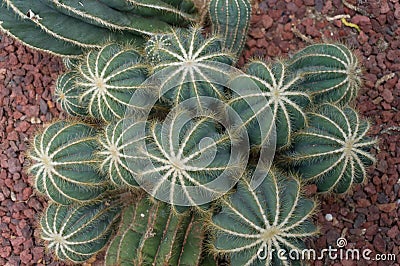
[368,217]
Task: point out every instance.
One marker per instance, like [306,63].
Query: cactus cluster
[96,172]
[69,27]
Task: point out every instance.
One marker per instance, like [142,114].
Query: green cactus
[63,163]
[189,60]
[115,141]
[92,23]
[231,20]
[105,81]
[333,151]
[285,100]
[76,233]
[331,72]
[254,224]
[68,96]
[151,234]
[182,158]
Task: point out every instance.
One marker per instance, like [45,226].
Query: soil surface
[367,217]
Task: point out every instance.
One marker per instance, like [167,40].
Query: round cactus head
[253,225]
[63,163]
[333,151]
[76,233]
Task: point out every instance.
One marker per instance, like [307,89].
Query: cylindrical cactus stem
[331,72]
[254,224]
[333,152]
[152,234]
[285,102]
[11,24]
[49,20]
[75,233]
[63,164]
[99,14]
[231,20]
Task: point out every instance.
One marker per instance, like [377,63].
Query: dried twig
[301,35]
[384,79]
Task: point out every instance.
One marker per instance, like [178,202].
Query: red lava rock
[267,21]
[384,7]
[379,243]
[257,33]
[387,95]
[389,207]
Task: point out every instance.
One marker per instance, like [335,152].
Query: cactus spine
[274,216]
[151,234]
[76,233]
[231,20]
[333,151]
[331,72]
[63,163]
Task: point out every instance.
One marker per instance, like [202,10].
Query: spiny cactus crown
[333,150]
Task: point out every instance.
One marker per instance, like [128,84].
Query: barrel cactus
[331,72]
[63,163]
[230,20]
[151,234]
[75,233]
[333,151]
[253,225]
[186,58]
[105,81]
[93,23]
[283,97]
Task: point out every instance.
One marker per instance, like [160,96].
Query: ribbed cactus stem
[151,234]
[231,20]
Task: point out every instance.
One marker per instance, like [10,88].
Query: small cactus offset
[189,60]
[68,95]
[105,80]
[331,72]
[231,20]
[253,226]
[151,234]
[118,138]
[91,23]
[333,151]
[283,98]
[75,233]
[63,163]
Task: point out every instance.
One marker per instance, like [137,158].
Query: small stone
[389,207]
[393,232]
[328,217]
[267,21]
[379,243]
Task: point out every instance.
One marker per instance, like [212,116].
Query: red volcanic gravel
[368,217]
